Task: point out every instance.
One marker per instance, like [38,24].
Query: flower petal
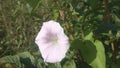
[52,52]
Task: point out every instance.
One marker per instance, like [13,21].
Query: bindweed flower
[52,42]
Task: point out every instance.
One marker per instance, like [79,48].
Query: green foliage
[19,58]
[69,64]
[116,65]
[93,28]
[87,49]
[100,60]
[93,4]
[34,3]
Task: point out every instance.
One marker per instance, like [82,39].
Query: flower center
[54,39]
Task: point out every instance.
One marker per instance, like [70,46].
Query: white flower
[52,42]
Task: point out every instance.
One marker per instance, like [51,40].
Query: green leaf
[118,34]
[34,3]
[89,37]
[93,3]
[11,59]
[40,63]
[55,14]
[116,64]
[69,64]
[76,44]
[100,60]
[19,59]
[116,18]
[54,65]
[27,55]
[87,49]
[58,65]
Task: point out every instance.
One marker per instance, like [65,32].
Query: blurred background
[21,20]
